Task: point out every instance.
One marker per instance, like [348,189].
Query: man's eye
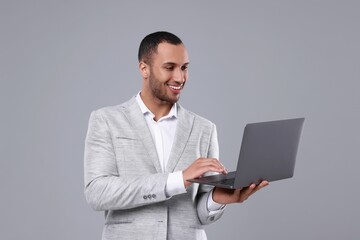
[169,68]
[184,68]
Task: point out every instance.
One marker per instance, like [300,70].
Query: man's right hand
[201,166]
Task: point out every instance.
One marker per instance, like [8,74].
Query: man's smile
[176,87]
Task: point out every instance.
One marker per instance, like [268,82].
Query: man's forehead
[171,53]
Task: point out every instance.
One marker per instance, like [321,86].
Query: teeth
[175,88]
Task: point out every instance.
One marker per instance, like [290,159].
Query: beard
[159,90]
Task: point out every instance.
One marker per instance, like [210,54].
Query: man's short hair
[149,44]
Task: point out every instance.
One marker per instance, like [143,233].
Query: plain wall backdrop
[250,61]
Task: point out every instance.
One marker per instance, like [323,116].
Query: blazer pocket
[126,141]
[130,155]
[126,137]
[117,222]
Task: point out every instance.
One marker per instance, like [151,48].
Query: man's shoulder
[114,110]
[197,118]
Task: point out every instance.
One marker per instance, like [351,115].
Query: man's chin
[171,100]
[175,100]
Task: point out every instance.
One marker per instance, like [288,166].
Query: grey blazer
[123,176]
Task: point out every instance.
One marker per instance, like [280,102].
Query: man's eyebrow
[169,63]
[174,64]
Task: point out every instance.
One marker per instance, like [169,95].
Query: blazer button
[154,196]
[145,197]
[149,196]
[212,218]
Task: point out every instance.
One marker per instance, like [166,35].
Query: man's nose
[178,75]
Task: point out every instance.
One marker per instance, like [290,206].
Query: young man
[140,154]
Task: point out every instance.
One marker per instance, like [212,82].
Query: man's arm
[212,165]
[104,188]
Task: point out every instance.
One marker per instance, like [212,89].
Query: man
[140,154]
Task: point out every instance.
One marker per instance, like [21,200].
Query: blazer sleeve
[205,216]
[104,188]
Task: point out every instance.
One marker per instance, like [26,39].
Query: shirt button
[145,197]
[154,196]
[212,218]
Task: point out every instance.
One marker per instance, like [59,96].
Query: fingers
[225,171]
[210,164]
[247,192]
[201,166]
[204,165]
[262,184]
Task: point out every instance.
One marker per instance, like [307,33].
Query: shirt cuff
[175,184]
[213,206]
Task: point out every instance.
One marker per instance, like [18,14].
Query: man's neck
[157,107]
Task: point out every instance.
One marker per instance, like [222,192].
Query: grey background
[250,61]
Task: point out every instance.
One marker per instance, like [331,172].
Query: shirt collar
[145,110]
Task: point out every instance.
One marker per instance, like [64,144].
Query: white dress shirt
[163,133]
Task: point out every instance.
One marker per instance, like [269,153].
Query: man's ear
[144,69]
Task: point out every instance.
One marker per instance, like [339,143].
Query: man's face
[168,72]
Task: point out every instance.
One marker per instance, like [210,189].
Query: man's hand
[226,196]
[201,166]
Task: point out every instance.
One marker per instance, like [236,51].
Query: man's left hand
[226,196]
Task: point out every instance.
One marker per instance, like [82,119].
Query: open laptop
[268,152]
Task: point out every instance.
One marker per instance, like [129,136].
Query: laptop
[268,152]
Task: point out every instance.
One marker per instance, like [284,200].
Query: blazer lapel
[136,119]
[184,127]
